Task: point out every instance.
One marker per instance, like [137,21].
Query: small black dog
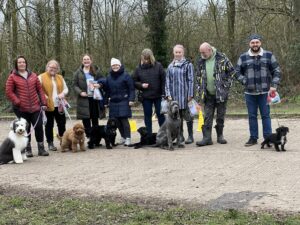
[277,139]
[107,132]
[146,139]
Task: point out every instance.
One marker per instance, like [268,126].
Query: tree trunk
[14,20]
[8,30]
[157,11]
[57,31]
[297,17]
[87,7]
[231,22]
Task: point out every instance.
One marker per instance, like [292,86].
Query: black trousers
[210,106]
[60,122]
[94,115]
[32,119]
[124,127]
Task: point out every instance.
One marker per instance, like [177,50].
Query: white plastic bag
[163,106]
[193,107]
[97,94]
[273,98]
[44,118]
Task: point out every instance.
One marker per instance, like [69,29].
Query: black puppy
[146,139]
[277,139]
[106,132]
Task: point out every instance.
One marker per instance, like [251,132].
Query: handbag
[163,106]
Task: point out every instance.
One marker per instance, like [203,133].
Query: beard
[255,49]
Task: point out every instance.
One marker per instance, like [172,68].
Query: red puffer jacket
[26,95]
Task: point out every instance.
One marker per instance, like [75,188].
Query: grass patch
[36,211]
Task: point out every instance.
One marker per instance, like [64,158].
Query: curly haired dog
[72,137]
[106,132]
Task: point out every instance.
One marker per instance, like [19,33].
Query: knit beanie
[115,61]
[254,36]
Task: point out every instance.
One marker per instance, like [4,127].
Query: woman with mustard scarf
[55,89]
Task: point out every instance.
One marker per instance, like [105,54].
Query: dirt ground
[217,176]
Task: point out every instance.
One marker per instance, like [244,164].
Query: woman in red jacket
[24,90]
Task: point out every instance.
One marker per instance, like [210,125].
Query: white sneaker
[121,141]
[127,142]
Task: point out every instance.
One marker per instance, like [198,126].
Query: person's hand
[145,85]
[44,108]
[61,95]
[83,94]
[169,98]
[190,98]
[131,103]
[105,106]
[198,107]
[97,86]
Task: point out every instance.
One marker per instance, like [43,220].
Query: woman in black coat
[89,110]
[119,97]
[149,78]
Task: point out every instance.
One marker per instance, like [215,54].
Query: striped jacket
[258,73]
[180,82]
[223,73]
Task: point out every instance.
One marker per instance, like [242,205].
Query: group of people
[257,70]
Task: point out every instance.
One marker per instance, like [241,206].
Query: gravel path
[218,176]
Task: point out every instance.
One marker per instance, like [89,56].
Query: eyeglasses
[52,67]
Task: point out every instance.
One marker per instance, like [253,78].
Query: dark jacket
[119,90]
[224,73]
[80,85]
[26,95]
[154,75]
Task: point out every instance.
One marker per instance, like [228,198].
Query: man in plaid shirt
[259,72]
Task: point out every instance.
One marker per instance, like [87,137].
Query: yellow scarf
[48,87]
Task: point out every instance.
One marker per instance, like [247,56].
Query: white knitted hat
[115,61]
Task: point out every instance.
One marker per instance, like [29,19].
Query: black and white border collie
[13,147]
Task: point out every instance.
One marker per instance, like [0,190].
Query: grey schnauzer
[170,130]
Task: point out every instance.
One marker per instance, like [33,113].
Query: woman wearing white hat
[119,97]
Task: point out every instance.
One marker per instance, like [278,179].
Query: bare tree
[230,28]
[87,8]
[57,30]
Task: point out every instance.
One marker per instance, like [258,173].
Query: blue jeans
[254,102]
[147,106]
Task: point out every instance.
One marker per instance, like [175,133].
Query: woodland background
[64,30]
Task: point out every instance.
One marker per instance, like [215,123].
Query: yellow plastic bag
[200,121]
[132,124]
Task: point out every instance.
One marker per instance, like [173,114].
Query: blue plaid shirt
[258,72]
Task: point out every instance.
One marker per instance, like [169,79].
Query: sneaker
[127,142]
[251,142]
[121,141]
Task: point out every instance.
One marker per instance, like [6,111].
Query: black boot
[190,138]
[206,131]
[41,149]
[51,147]
[29,150]
[220,138]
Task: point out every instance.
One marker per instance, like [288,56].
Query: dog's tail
[59,138]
